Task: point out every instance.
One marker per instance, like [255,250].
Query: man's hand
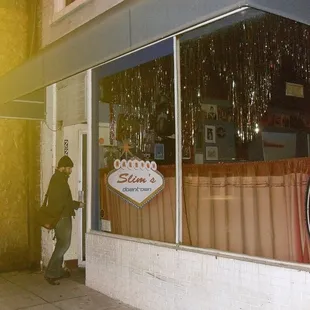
[82,205]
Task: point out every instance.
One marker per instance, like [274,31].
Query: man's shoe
[66,274]
[52,281]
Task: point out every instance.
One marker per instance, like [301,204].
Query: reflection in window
[242,81]
[139,108]
[136,114]
[245,137]
[245,98]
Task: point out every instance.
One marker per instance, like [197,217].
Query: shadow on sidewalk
[78,275]
[28,290]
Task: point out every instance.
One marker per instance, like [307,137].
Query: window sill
[73,7]
[215,253]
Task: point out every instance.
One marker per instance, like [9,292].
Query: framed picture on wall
[210,134]
[212,153]
[212,112]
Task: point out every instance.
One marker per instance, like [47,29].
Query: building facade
[224,232]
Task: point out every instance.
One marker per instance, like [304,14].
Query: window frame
[93,120]
[61,10]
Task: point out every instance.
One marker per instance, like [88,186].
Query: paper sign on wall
[66,147]
[279,145]
[135,180]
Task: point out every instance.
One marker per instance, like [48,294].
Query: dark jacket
[60,202]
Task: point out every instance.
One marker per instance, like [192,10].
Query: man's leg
[63,232]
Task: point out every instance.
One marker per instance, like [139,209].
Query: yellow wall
[19,150]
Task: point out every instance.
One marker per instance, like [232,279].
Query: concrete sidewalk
[29,291]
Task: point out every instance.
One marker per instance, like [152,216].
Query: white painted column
[89,146]
[178,139]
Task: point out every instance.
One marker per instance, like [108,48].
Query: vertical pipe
[178,140]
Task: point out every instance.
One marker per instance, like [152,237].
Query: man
[61,206]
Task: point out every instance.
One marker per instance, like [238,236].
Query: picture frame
[159,151]
[210,134]
[212,153]
[212,113]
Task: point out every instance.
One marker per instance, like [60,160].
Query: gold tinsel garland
[239,63]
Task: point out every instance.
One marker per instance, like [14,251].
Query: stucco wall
[13,194]
[16,199]
[47,169]
[14,36]
[19,153]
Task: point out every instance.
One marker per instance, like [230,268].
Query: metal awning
[131,26]
[30,106]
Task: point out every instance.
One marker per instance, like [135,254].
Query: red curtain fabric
[256,209]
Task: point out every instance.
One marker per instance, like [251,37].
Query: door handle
[81,196]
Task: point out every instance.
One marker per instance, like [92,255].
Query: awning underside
[30,106]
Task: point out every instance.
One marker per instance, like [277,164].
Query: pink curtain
[155,221]
[248,208]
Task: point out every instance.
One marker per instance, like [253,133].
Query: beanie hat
[65,161]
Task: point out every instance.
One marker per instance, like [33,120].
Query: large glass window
[245,115]
[245,129]
[137,125]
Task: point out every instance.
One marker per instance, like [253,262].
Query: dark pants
[63,232]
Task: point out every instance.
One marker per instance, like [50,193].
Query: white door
[74,141]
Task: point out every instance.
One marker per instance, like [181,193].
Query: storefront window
[245,136]
[245,119]
[137,125]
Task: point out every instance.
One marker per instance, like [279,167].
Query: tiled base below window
[152,277]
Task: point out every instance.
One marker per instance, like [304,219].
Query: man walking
[61,206]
